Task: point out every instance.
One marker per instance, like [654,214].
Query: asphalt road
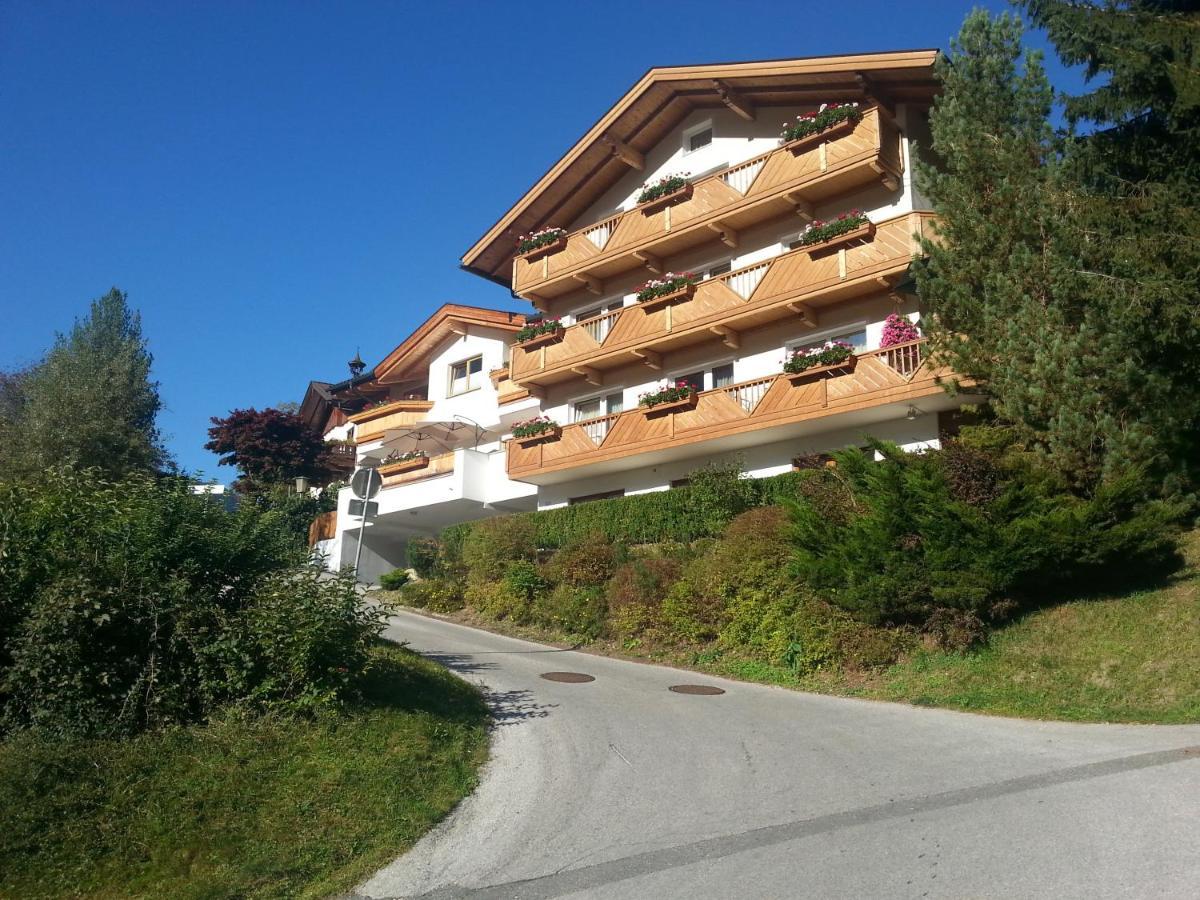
[619,788]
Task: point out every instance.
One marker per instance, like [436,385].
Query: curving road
[619,788]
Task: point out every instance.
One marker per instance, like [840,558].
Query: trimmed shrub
[393,580]
[442,595]
[524,580]
[588,560]
[493,600]
[573,609]
[492,545]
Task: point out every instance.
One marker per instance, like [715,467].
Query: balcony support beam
[803,208]
[734,100]
[591,282]
[890,181]
[626,154]
[590,375]
[650,358]
[650,261]
[872,93]
[808,315]
[728,236]
[538,302]
[729,337]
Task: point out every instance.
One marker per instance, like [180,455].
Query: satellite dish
[366,483]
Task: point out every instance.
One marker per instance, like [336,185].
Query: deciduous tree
[268,447]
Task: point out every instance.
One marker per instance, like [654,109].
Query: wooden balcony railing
[399,474]
[372,423]
[892,375]
[721,204]
[791,284]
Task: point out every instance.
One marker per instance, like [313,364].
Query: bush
[309,637]
[966,529]
[441,595]
[588,560]
[424,556]
[133,604]
[718,493]
[572,609]
[493,600]
[492,545]
[524,580]
[393,580]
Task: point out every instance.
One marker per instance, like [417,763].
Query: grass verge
[255,808]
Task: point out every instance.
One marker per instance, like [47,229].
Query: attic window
[696,137]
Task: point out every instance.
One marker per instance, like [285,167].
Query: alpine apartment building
[720,271]
[708,239]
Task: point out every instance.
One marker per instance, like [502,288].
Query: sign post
[365,484]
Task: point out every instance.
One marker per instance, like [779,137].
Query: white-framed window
[718,269]
[718,375]
[465,376]
[722,375]
[697,137]
[594,407]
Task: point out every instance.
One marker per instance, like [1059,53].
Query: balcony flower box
[832,357]
[409,462]
[829,122]
[668,398]
[539,334]
[534,246]
[821,237]
[535,431]
[671,287]
[668,190]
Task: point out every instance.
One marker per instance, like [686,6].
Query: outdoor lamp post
[302,485]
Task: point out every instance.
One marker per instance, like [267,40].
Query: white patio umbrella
[431,438]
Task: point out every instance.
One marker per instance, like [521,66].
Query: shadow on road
[463,663]
[513,707]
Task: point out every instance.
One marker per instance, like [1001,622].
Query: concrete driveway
[620,788]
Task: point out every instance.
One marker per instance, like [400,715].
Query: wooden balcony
[766,409]
[720,205]
[792,285]
[404,473]
[372,423]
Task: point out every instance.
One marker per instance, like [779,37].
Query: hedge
[637,519]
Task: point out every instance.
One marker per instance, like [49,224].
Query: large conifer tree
[1042,286]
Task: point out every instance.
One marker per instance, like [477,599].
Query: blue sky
[278,184]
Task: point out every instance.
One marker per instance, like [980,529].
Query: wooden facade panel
[712,296]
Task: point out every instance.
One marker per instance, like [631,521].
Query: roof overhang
[661,99]
[410,360]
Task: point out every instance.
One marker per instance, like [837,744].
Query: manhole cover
[706,689]
[567,677]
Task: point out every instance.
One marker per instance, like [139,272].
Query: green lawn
[1128,658]
[243,808]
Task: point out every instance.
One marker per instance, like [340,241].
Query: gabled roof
[410,360]
[661,99]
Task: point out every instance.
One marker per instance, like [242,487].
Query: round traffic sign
[366,483]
